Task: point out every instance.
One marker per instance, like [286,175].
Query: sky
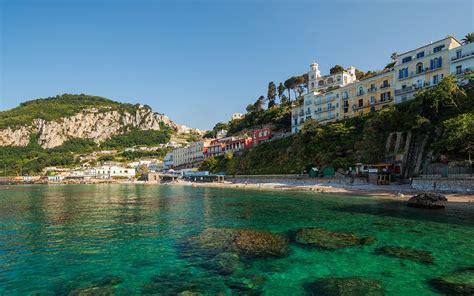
[199,61]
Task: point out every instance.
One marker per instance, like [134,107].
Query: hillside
[442,116]
[53,121]
[70,130]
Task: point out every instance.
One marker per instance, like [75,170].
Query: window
[345,96]
[403,73]
[438,48]
[338,78]
[458,69]
[419,68]
[312,84]
[458,54]
[406,60]
[330,80]
[436,63]
[435,79]
[321,82]
[361,102]
[361,90]
[372,100]
[385,96]
[385,83]
[420,54]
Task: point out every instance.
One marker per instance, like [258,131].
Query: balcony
[301,113]
[307,112]
[385,85]
[426,70]
[403,90]
[372,89]
[462,56]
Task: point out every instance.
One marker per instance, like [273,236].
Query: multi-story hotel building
[322,101]
[338,96]
[423,67]
[462,60]
[368,95]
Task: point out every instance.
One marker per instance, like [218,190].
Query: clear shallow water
[57,238]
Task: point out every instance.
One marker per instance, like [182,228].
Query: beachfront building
[168,161]
[185,157]
[229,144]
[368,95]
[462,61]
[422,67]
[112,172]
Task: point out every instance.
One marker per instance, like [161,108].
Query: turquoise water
[54,239]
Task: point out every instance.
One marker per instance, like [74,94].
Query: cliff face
[87,124]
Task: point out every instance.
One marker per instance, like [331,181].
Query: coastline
[391,192]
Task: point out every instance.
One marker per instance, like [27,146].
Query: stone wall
[298,180]
[464,185]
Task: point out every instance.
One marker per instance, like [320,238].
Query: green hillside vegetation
[53,108]
[445,113]
[33,158]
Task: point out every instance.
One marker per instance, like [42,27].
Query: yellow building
[367,95]
[422,67]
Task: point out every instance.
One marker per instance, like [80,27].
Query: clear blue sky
[200,61]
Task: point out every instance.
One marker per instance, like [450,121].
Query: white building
[319,83]
[462,60]
[322,101]
[422,67]
[185,157]
[236,116]
[110,172]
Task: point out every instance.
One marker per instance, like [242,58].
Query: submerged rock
[317,237]
[183,283]
[251,243]
[428,200]
[461,282]
[246,243]
[247,284]
[350,286]
[101,287]
[225,263]
[406,253]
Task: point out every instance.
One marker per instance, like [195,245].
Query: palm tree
[469,38]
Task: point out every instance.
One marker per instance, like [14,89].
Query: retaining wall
[464,185]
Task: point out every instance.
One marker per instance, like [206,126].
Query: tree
[259,103]
[359,74]
[281,90]
[289,84]
[271,94]
[250,108]
[394,56]
[284,100]
[459,134]
[469,38]
[336,69]
[446,94]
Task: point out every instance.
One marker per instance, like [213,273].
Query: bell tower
[313,76]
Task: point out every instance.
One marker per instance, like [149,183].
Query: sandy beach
[392,192]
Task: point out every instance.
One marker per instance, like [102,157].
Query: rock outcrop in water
[352,286]
[428,200]
[460,282]
[324,239]
[406,253]
[247,243]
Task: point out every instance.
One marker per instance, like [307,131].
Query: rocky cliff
[93,123]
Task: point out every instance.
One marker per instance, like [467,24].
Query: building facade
[229,144]
[462,61]
[368,95]
[261,135]
[185,157]
[423,67]
[110,172]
